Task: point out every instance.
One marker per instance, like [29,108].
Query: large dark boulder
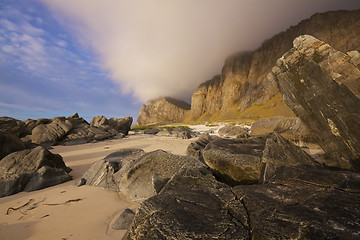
[13,126]
[196,148]
[10,143]
[235,161]
[30,170]
[300,209]
[148,174]
[108,172]
[192,205]
[51,133]
[121,125]
[253,160]
[280,152]
[322,87]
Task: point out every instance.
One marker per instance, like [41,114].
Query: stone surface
[31,169]
[195,148]
[152,131]
[121,125]
[162,110]
[233,132]
[107,173]
[137,182]
[290,128]
[192,205]
[124,220]
[280,152]
[235,161]
[10,143]
[301,210]
[325,99]
[52,132]
[13,126]
[177,132]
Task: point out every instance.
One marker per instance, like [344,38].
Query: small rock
[124,220]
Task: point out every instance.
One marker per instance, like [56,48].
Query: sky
[108,57]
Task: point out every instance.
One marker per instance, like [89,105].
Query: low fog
[167,47]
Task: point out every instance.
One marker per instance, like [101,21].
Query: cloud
[167,48]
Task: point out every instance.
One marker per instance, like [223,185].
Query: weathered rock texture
[321,85]
[124,220]
[30,170]
[162,110]
[233,132]
[10,143]
[290,128]
[243,90]
[193,205]
[244,161]
[52,132]
[148,174]
[108,172]
[304,203]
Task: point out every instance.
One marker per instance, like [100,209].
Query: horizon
[56,58]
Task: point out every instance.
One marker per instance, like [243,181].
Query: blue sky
[45,72]
[109,57]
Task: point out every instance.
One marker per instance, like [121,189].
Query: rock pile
[31,169]
[70,130]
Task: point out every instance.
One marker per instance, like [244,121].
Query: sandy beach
[69,212]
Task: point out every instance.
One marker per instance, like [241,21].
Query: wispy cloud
[163,47]
[43,70]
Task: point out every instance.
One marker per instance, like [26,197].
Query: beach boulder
[10,143]
[233,132]
[107,173]
[196,148]
[31,169]
[150,172]
[192,205]
[51,133]
[13,126]
[235,161]
[321,85]
[124,220]
[120,125]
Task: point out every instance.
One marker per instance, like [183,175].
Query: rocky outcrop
[13,126]
[233,132]
[52,132]
[290,128]
[178,132]
[30,170]
[321,85]
[243,87]
[164,109]
[108,172]
[307,204]
[235,161]
[195,149]
[10,143]
[253,160]
[121,125]
[148,174]
[193,205]
[68,131]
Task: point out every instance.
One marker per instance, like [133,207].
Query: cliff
[242,90]
[163,109]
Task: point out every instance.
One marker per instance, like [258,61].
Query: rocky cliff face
[163,109]
[243,90]
[243,81]
[321,85]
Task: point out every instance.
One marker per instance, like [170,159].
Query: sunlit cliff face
[167,48]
